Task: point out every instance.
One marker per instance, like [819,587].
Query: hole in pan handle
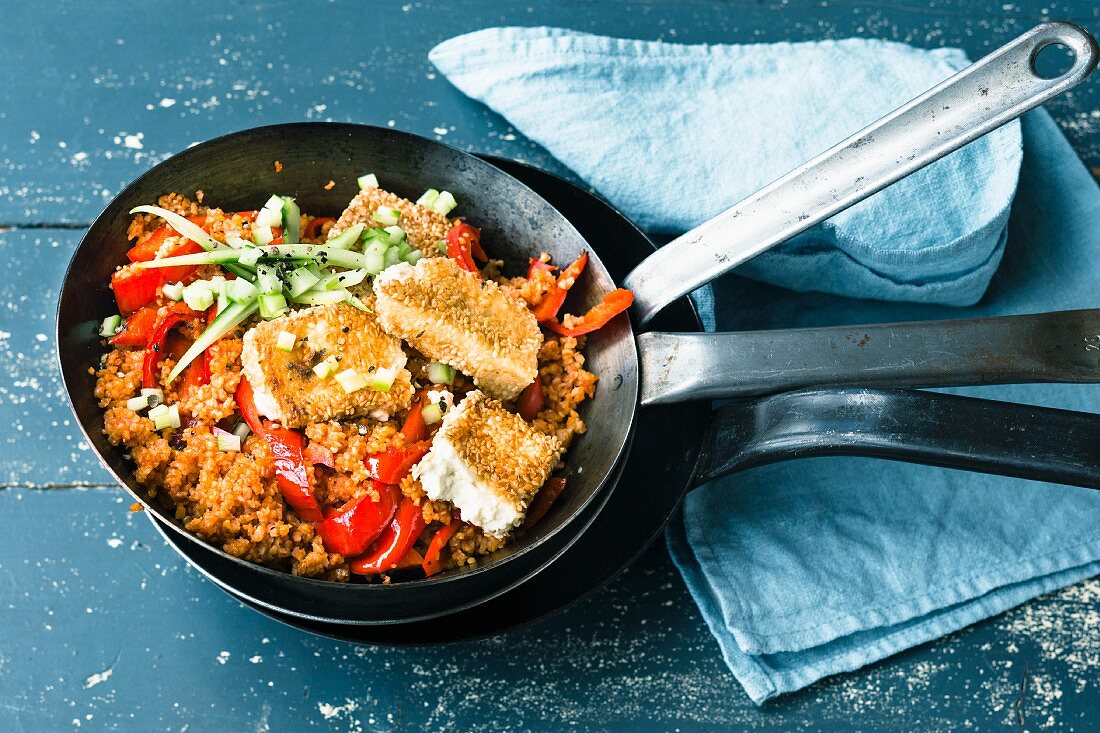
[1043,347]
[978,99]
[987,436]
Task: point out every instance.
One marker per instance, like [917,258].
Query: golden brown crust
[451,316]
[423,226]
[352,336]
[500,448]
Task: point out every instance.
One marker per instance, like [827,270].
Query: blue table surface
[103,627]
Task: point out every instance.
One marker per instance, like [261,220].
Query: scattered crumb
[199,195]
[330,185]
[278,167]
[136,507]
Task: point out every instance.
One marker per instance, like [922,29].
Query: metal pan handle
[980,98]
[1045,347]
[1044,444]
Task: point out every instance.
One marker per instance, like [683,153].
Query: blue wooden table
[102,627]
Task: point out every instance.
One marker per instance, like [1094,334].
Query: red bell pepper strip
[350,531]
[462,240]
[286,445]
[536,265]
[155,346]
[147,248]
[290,470]
[136,288]
[138,328]
[613,304]
[432,563]
[555,297]
[531,400]
[393,465]
[394,542]
[547,495]
[319,455]
[313,228]
[414,428]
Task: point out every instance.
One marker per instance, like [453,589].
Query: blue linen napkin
[810,568]
[673,134]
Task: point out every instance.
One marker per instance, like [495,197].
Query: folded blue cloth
[673,134]
[814,567]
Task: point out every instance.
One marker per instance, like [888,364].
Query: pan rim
[349,128]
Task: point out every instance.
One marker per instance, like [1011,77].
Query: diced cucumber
[440,373]
[173,291]
[395,234]
[165,416]
[267,279]
[292,221]
[110,325]
[272,305]
[431,414]
[198,295]
[250,256]
[262,234]
[393,256]
[241,291]
[228,442]
[235,241]
[441,245]
[375,257]
[271,215]
[428,198]
[351,380]
[445,204]
[326,368]
[368,181]
[155,395]
[285,341]
[387,215]
[413,257]
[138,403]
[347,238]
[300,280]
[382,379]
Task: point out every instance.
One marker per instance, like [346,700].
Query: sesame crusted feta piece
[423,226]
[488,462]
[449,315]
[289,390]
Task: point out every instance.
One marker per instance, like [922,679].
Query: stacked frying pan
[651,431]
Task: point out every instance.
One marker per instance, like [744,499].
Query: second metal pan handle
[1044,347]
[968,433]
[982,97]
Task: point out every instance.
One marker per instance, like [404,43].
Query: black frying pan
[236,172]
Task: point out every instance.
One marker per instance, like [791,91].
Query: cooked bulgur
[234,498]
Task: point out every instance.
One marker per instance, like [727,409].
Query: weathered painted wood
[90,97]
[105,626]
[41,444]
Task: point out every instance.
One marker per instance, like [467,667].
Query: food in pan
[367,396]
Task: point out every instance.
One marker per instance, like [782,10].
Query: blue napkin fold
[810,568]
[673,134]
